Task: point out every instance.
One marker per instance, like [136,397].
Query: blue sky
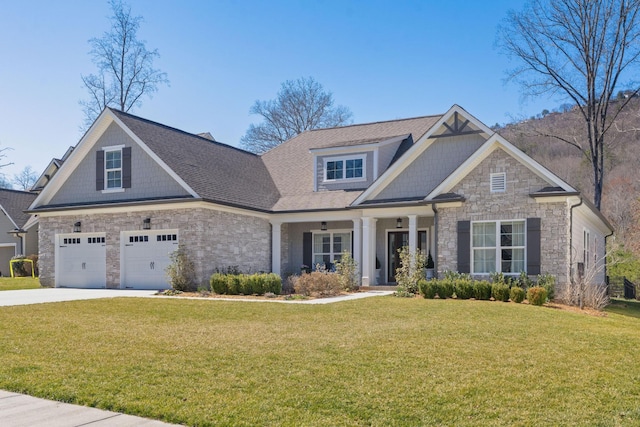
[382,59]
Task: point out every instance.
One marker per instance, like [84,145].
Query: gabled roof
[216,172]
[14,203]
[291,163]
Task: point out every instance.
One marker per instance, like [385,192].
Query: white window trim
[332,254]
[498,247]
[344,159]
[500,178]
[586,248]
[106,150]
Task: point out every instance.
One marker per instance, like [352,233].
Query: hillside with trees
[548,138]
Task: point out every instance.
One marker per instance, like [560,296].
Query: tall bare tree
[125,66]
[581,50]
[25,179]
[301,105]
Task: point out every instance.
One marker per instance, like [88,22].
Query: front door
[397,239]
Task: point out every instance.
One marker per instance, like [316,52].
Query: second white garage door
[145,258]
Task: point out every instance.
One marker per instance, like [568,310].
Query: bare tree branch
[300,105]
[582,50]
[125,67]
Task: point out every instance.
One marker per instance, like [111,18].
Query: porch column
[413,233]
[276,243]
[357,242]
[368,251]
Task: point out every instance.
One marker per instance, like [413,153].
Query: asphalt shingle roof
[14,202]
[291,163]
[216,171]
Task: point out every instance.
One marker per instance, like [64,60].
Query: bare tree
[580,49]
[25,179]
[300,105]
[125,66]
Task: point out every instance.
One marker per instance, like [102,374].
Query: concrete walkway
[18,410]
[37,296]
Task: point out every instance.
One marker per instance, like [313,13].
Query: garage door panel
[81,260]
[145,258]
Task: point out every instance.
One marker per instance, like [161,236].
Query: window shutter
[307,249]
[126,167]
[99,170]
[533,246]
[464,246]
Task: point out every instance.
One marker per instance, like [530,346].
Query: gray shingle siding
[148,178]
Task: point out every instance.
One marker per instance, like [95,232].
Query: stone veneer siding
[214,239]
[515,204]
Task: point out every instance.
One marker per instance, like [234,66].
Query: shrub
[245,285]
[548,282]
[318,284]
[428,288]
[500,292]
[181,271]
[233,284]
[463,288]
[445,288]
[218,283]
[482,290]
[517,294]
[524,281]
[537,295]
[347,271]
[34,258]
[272,283]
[410,271]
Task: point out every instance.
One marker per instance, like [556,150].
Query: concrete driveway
[37,296]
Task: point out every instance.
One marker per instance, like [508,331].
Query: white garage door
[81,260]
[145,258]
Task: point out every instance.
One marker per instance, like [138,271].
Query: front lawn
[12,284]
[379,361]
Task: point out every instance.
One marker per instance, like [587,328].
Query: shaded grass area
[624,307]
[375,362]
[12,284]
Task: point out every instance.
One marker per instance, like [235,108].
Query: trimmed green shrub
[445,288]
[517,294]
[500,292]
[482,290]
[257,284]
[463,288]
[272,282]
[218,283]
[537,295]
[548,282]
[233,284]
[428,288]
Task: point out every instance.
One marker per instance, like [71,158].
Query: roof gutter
[571,238]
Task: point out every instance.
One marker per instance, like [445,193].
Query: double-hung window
[113,169]
[498,246]
[345,168]
[328,247]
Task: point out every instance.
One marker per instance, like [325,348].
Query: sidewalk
[18,410]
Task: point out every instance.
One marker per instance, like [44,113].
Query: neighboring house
[132,190]
[50,171]
[18,232]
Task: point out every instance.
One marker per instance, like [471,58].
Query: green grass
[624,307]
[12,284]
[377,362]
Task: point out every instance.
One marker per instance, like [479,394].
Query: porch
[373,237]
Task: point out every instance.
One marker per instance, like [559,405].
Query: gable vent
[498,182]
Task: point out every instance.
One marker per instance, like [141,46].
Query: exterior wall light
[399,223]
[77,227]
[323,226]
[146,224]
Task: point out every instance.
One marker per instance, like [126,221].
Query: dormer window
[113,169]
[344,168]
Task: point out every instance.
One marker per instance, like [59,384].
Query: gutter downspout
[435,238]
[606,277]
[571,244]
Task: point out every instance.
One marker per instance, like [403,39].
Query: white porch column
[368,251]
[276,243]
[357,242]
[413,233]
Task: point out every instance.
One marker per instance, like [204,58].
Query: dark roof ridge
[151,122]
[373,123]
[17,191]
